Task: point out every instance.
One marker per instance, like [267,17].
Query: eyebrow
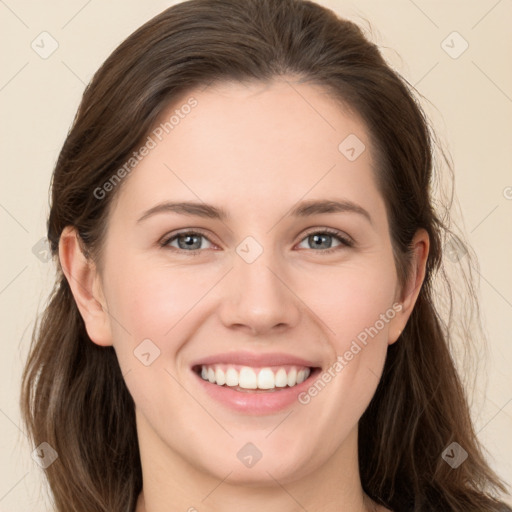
[303,209]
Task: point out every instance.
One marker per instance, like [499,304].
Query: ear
[420,245]
[85,284]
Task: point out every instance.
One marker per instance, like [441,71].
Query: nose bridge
[258,297]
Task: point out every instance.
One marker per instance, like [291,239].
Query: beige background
[470,102]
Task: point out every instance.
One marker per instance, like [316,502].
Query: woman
[243,316]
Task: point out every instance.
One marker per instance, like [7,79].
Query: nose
[258,297]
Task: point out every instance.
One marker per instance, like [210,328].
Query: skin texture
[254,150]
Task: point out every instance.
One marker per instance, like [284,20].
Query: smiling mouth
[254,380]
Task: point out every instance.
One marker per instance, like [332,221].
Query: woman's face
[273,181]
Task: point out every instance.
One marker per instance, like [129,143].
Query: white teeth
[250,378]
[266,379]
[231,377]
[281,379]
[301,376]
[247,379]
[220,377]
[292,377]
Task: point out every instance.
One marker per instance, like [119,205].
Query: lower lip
[256,403]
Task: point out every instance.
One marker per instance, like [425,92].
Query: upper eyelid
[195,231]
[330,231]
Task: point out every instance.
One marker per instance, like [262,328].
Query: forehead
[254,146]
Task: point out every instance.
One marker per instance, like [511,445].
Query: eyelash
[345,241]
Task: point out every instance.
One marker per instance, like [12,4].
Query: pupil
[318,239]
[190,240]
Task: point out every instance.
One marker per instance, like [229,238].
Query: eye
[323,240]
[188,241]
[192,241]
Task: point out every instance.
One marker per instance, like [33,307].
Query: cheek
[160,303]
[150,304]
[356,304]
[152,300]
[351,297]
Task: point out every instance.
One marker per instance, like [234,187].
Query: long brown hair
[73,394]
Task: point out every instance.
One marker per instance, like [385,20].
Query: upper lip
[255,359]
